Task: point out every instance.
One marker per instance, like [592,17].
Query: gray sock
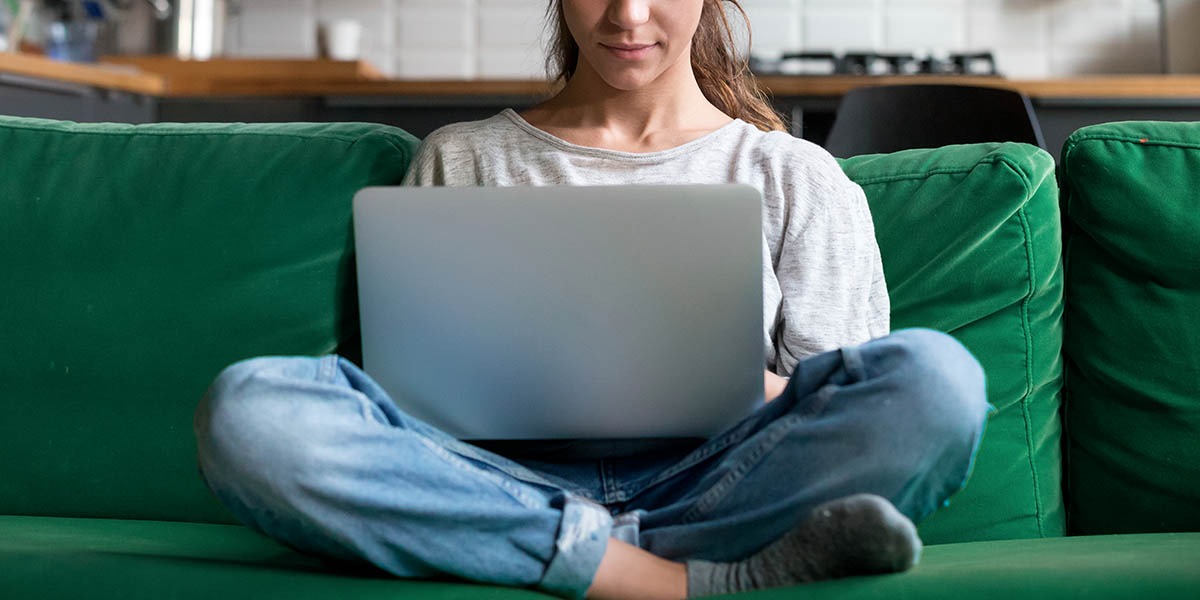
[855,535]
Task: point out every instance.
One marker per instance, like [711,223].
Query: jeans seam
[468,452]
[719,445]
[328,370]
[456,448]
[784,424]
[706,502]
[738,435]
[613,491]
[518,494]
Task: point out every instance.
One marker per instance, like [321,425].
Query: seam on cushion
[405,150]
[189,134]
[918,175]
[1027,333]
[1026,330]
[1064,161]
[134,131]
[1109,137]
[1076,140]
[348,141]
[1026,184]
[991,159]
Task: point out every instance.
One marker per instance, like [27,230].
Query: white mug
[343,39]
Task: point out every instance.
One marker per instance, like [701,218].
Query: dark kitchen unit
[812,118]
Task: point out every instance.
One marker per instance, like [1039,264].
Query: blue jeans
[313,453]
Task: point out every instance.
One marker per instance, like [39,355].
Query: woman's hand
[774,385]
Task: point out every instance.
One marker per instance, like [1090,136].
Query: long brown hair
[724,77]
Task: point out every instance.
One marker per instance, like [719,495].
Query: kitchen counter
[169,78]
[152,89]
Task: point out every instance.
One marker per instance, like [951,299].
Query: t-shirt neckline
[515,117]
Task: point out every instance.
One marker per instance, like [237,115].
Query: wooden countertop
[169,77]
[166,77]
[1098,86]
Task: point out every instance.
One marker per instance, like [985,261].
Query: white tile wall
[276,28]
[842,24]
[433,39]
[511,38]
[504,38]
[777,26]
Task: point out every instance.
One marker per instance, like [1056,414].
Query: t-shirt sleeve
[445,158]
[829,271]
[423,171]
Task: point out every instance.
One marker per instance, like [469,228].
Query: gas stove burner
[876,63]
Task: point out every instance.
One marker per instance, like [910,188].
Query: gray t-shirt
[823,285]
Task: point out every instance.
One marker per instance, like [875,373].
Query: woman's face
[631,43]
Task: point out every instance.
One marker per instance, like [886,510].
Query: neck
[672,102]
[666,112]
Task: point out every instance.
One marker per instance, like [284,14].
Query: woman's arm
[774,385]
[831,287]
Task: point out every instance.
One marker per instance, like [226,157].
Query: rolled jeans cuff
[582,540]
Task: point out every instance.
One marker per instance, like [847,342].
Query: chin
[628,82]
[625,76]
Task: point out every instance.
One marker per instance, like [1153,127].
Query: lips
[628,46]
[629,51]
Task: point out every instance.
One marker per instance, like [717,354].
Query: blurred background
[465,39]
[419,64]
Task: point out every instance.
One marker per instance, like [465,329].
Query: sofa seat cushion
[99,559]
[46,557]
[1160,566]
[1133,327]
[970,240]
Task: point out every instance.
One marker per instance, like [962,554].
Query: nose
[629,13]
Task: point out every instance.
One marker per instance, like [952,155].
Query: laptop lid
[564,312]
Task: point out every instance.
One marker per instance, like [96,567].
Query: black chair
[899,117]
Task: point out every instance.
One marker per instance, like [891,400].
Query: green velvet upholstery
[113,559]
[1160,566]
[101,559]
[971,246]
[1133,327]
[140,260]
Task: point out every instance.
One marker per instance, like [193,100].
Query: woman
[821,482]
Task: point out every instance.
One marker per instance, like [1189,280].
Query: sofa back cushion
[1132,195]
[971,246]
[140,260]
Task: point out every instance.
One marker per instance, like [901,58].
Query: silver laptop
[564,312]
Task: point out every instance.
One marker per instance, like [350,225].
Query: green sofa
[140,260]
